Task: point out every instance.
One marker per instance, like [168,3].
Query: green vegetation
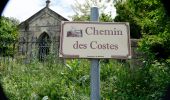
[149,22]
[8,34]
[71,81]
[82,11]
[146,17]
[8,29]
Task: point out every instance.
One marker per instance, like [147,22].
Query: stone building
[39,34]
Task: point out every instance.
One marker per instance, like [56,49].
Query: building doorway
[44,46]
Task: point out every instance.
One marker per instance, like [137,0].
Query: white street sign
[95,40]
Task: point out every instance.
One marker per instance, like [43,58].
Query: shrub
[72,81]
[156,47]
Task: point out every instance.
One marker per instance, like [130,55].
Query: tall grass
[71,81]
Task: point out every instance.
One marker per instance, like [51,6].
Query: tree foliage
[103,18]
[144,16]
[8,28]
[149,21]
[8,34]
[82,10]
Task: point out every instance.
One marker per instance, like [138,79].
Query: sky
[23,9]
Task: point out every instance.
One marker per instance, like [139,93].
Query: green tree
[8,34]
[8,28]
[126,14]
[82,10]
[103,18]
[145,16]
[148,21]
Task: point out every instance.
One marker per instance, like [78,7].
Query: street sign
[95,40]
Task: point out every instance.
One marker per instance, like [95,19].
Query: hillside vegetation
[36,81]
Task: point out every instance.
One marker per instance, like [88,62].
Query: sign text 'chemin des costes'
[95,40]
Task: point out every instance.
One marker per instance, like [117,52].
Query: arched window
[44,46]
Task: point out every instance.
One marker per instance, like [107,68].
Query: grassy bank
[71,81]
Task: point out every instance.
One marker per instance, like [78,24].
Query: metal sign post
[95,67]
[95,40]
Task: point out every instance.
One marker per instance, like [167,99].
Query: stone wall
[136,55]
